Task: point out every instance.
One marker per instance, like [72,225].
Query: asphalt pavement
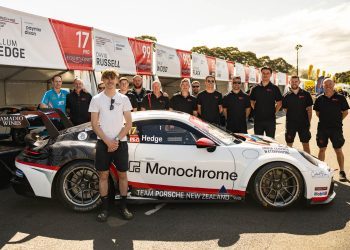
[27,223]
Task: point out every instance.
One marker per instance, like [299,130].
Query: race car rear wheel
[278,185]
[78,186]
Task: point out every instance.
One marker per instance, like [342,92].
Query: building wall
[24,92]
[2,92]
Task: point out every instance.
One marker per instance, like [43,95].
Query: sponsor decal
[320,193]
[134,139]
[14,121]
[321,188]
[319,174]
[82,136]
[276,150]
[193,172]
[151,193]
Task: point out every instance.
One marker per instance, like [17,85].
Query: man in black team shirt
[155,100]
[210,102]
[138,90]
[124,89]
[77,103]
[266,100]
[184,101]
[331,108]
[236,106]
[297,103]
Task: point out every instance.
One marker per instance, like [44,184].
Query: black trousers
[267,127]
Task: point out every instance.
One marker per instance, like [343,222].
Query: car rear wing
[21,120]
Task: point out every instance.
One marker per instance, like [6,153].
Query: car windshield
[218,133]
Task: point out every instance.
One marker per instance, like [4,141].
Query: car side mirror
[206,143]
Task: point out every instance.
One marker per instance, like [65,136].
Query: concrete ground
[27,223]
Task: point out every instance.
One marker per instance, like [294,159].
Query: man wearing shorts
[108,109]
[331,109]
[297,103]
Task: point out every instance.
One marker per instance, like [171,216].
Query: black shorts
[333,134]
[267,127]
[120,157]
[304,134]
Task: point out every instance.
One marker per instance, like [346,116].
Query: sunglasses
[210,81]
[236,82]
[112,106]
[195,86]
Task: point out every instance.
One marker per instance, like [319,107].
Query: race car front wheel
[278,185]
[78,186]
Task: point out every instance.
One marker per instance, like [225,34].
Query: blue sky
[266,27]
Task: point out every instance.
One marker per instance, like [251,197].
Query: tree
[147,37]
[245,57]
[343,77]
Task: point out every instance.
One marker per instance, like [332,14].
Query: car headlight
[313,160]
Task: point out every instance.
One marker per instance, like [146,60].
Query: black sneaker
[126,214]
[342,176]
[102,216]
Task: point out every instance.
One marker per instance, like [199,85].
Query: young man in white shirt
[108,109]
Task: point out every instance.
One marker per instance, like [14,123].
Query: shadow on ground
[174,222]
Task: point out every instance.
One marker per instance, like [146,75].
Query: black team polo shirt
[236,105]
[210,106]
[296,105]
[331,108]
[79,107]
[266,98]
[151,102]
[132,99]
[186,104]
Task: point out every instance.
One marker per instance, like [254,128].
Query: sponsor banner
[231,69]
[185,62]
[282,78]
[222,71]
[143,54]
[252,75]
[258,75]
[240,71]
[172,62]
[273,78]
[126,55]
[28,40]
[75,42]
[14,121]
[203,66]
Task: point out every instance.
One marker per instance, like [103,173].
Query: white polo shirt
[111,121]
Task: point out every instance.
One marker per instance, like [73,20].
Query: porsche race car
[173,157]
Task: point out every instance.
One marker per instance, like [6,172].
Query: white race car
[174,157]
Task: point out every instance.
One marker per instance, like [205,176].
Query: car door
[167,159]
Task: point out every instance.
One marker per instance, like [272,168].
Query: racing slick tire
[278,185]
[5,175]
[77,186]
[18,135]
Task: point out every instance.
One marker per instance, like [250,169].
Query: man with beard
[236,105]
[297,104]
[138,90]
[184,101]
[124,89]
[266,100]
[196,87]
[331,109]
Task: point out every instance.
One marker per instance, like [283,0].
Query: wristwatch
[117,138]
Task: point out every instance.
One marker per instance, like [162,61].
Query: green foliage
[245,57]
[147,37]
[343,77]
